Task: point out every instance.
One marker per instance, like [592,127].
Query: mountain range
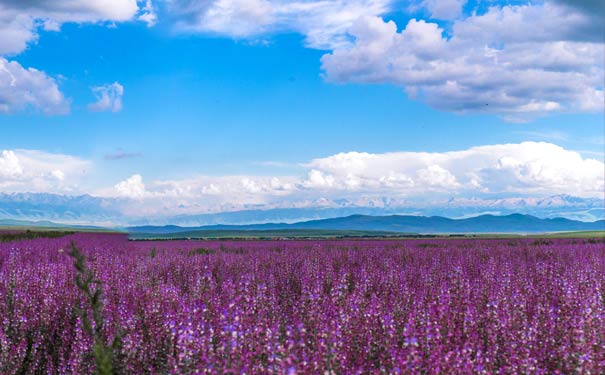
[514,223]
[90,210]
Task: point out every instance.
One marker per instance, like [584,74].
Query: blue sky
[213,93]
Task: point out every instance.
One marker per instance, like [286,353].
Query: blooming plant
[457,306]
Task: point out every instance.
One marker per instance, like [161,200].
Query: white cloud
[525,169]
[238,17]
[517,61]
[148,14]
[316,179]
[528,169]
[132,187]
[436,176]
[20,20]
[16,30]
[199,193]
[19,25]
[58,174]
[444,9]
[38,171]
[109,98]
[9,165]
[323,23]
[21,88]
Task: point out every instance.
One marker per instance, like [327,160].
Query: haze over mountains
[514,223]
[89,210]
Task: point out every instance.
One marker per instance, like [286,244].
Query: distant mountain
[269,233]
[89,210]
[514,223]
[583,209]
[60,208]
[47,224]
[27,223]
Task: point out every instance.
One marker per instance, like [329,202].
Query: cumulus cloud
[148,14]
[528,169]
[16,30]
[20,20]
[516,61]
[590,8]
[524,169]
[444,9]
[21,88]
[109,98]
[132,187]
[199,193]
[323,23]
[38,171]
[9,165]
[213,187]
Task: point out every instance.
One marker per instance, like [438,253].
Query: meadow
[90,303]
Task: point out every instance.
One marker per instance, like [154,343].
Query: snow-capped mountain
[86,209]
[60,208]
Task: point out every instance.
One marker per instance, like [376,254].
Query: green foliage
[541,242]
[427,245]
[201,251]
[92,289]
[30,235]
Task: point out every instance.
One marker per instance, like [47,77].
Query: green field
[13,235]
[264,234]
[29,232]
[581,234]
[312,233]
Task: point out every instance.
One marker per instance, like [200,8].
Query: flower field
[457,306]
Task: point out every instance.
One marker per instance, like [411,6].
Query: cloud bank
[528,168]
[22,88]
[515,61]
[39,171]
[521,170]
[537,168]
[20,20]
[324,24]
[524,169]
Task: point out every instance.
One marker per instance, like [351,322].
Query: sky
[190,106]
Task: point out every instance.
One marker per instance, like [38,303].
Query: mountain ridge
[91,210]
[513,223]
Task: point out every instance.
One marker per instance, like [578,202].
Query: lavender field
[458,306]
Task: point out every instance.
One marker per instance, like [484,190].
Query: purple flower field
[459,306]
